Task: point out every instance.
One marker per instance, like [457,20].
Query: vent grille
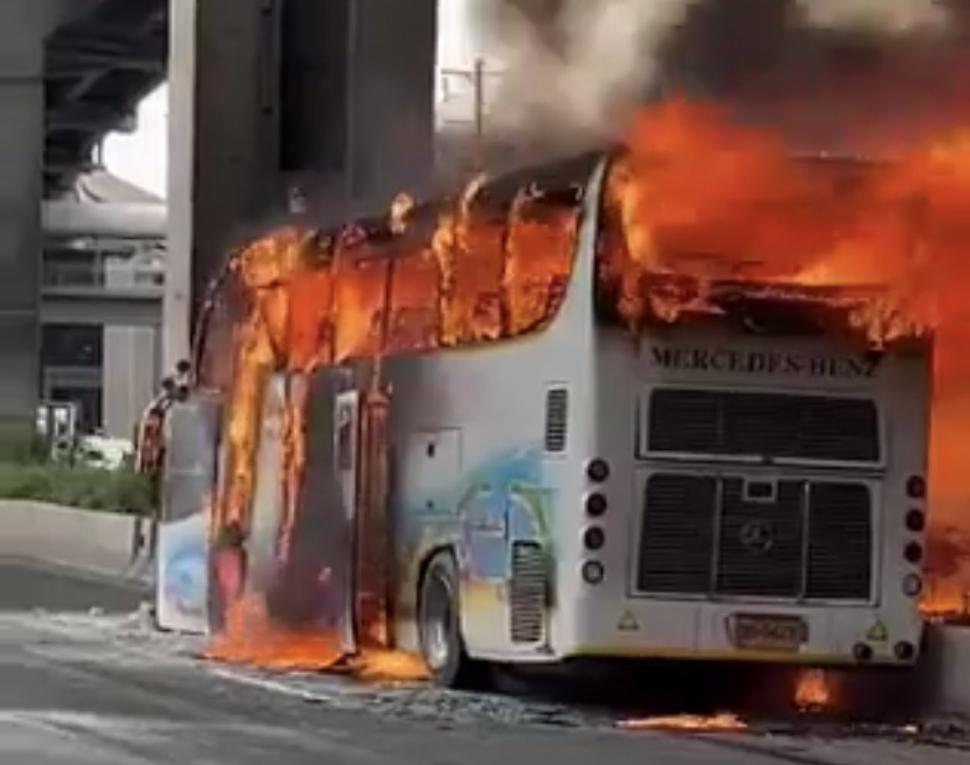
[840,542]
[677,534]
[702,535]
[763,425]
[760,546]
[557,418]
[528,592]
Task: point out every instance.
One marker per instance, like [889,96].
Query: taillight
[915,521]
[916,487]
[912,585]
[598,470]
[861,652]
[593,572]
[594,538]
[904,651]
[596,505]
[913,552]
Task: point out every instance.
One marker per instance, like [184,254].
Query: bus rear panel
[754,497]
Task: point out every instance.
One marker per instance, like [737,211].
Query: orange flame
[252,637]
[720,723]
[812,691]
[697,198]
[321,300]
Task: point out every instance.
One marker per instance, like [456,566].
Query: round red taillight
[598,470]
[596,505]
[913,552]
[915,521]
[594,538]
[916,487]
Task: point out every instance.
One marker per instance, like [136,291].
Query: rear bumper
[735,655]
[702,630]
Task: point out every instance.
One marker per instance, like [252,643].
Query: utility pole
[479,114]
[477,76]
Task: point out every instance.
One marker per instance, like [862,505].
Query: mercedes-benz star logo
[757,537]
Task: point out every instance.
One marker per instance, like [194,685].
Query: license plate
[768,633]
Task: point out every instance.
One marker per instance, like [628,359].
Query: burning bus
[501,428]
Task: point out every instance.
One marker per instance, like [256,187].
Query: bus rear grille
[677,534]
[763,425]
[527,593]
[760,546]
[703,535]
[840,543]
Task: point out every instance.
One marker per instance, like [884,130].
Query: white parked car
[104,452]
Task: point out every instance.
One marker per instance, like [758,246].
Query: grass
[120,491]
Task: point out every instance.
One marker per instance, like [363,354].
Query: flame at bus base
[719,723]
[252,637]
[812,691]
[697,212]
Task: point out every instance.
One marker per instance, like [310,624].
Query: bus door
[189,480]
[361,452]
[334,542]
[346,452]
[268,498]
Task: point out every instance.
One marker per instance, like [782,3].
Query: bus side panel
[471,472]
[906,394]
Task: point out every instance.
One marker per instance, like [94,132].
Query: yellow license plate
[768,633]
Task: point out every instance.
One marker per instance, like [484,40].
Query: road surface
[99,687]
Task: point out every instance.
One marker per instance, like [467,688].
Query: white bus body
[756,500]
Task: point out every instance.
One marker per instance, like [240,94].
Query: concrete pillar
[357,100]
[392,86]
[223,157]
[130,372]
[335,97]
[22,28]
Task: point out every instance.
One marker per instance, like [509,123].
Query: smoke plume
[819,69]
[576,67]
[886,16]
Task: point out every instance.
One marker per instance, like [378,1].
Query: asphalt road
[99,688]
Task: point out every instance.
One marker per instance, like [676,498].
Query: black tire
[439,626]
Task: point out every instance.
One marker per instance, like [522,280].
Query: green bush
[116,491]
[21,450]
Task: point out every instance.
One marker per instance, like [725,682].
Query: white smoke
[577,70]
[882,16]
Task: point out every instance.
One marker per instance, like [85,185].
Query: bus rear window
[765,425]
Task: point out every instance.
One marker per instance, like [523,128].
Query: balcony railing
[87,276]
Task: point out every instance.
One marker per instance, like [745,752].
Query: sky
[141,158]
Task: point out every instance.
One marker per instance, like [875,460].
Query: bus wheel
[439,626]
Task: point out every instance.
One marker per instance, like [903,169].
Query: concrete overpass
[70,71]
[335,97]
[98,65]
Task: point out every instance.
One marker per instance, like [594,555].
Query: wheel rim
[438,618]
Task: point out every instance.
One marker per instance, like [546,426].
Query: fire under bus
[488,433]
